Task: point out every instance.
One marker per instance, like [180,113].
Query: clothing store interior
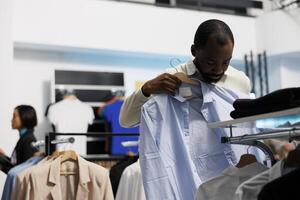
[149,99]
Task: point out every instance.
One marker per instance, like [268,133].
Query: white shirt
[72,116]
[224,186]
[250,189]
[131,184]
[175,156]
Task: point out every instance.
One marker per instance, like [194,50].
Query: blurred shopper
[24,120]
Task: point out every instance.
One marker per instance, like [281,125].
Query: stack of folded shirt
[275,101]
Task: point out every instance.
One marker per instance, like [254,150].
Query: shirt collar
[191,68]
[205,88]
[54,173]
[23,132]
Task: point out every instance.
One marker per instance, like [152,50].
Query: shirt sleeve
[130,113]
[91,116]
[51,116]
[131,109]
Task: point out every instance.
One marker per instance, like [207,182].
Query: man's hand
[283,151]
[2,153]
[164,83]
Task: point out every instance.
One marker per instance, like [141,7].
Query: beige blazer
[46,182]
[21,184]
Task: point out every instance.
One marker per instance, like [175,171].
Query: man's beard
[209,78]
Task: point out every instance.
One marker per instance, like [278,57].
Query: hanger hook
[174,62]
[248,149]
[71,145]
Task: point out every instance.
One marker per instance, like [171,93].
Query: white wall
[8,137]
[284,70]
[34,75]
[120,26]
[290,71]
[6,78]
[278,31]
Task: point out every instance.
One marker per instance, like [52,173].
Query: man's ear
[193,50]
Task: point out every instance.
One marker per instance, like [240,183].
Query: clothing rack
[50,147]
[130,143]
[41,143]
[254,139]
[38,144]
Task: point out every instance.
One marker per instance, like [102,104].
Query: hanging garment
[117,171]
[72,116]
[224,186]
[131,184]
[274,101]
[285,187]
[20,188]
[111,113]
[12,174]
[90,182]
[250,189]
[174,159]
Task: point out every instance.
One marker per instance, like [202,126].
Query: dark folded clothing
[285,187]
[274,101]
[5,164]
[260,110]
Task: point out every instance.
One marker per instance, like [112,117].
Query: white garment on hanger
[72,116]
[131,184]
[250,189]
[224,186]
[175,160]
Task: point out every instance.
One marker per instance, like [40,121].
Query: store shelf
[253,118]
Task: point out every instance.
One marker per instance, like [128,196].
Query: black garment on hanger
[117,170]
[285,187]
[275,101]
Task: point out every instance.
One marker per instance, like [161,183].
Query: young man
[212,51]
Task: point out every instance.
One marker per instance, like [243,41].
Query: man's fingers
[170,91]
[172,78]
[168,84]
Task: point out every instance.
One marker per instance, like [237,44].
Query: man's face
[213,59]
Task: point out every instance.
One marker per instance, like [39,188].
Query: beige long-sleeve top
[131,108]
